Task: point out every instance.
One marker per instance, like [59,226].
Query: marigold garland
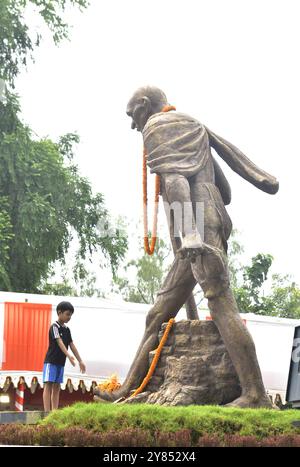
[110,385]
[155,359]
[149,249]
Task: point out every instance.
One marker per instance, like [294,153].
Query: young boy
[59,341]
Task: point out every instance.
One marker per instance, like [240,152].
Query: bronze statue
[178,149]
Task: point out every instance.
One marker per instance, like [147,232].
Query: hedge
[131,437]
[199,420]
[109,425]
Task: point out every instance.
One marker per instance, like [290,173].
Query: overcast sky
[232,64]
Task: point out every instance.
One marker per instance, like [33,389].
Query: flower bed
[97,424]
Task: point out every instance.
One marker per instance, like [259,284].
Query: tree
[148,273]
[235,250]
[45,203]
[85,287]
[248,283]
[284,300]
[6,234]
[17,41]
[248,294]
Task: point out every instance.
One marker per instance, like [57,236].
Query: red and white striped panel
[19,401]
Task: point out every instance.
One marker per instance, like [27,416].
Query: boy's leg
[55,395]
[59,376]
[47,396]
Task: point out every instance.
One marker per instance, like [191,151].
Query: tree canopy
[18,40]
[45,203]
[144,275]
[282,296]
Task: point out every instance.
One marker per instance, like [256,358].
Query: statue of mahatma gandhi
[178,148]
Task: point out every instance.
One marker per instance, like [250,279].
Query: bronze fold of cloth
[178,143]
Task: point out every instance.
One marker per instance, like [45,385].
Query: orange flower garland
[149,249]
[155,359]
[110,385]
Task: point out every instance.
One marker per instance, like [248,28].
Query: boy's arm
[62,347]
[76,353]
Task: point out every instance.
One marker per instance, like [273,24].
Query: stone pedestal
[27,417]
[194,368]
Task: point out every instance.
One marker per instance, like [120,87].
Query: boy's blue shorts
[53,373]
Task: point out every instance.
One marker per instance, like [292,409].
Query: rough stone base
[194,368]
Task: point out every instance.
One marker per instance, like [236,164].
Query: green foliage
[6,234]
[46,203]
[63,288]
[149,272]
[235,250]
[200,420]
[28,435]
[248,296]
[256,274]
[86,287]
[248,283]
[17,42]
[284,299]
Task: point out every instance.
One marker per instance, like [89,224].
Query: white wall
[107,340]
[273,344]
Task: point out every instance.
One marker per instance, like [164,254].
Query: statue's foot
[250,402]
[108,396]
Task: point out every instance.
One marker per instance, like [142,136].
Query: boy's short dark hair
[64,306]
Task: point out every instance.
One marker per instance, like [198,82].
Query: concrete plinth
[26,417]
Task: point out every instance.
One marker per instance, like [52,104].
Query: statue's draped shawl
[178,143]
[243,166]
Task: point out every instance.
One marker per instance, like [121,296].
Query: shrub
[198,420]
[241,441]
[132,437]
[282,441]
[16,434]
[96,424]
[181,438]
[209,441]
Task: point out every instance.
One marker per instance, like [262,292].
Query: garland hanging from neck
[150,248]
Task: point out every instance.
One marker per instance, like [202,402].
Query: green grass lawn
[201,420]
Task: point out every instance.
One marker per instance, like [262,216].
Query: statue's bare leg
[241,349]
[210,270]
[175,291]
[209,266]
[236,337]
[190,304]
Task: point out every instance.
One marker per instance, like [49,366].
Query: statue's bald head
[145,102]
